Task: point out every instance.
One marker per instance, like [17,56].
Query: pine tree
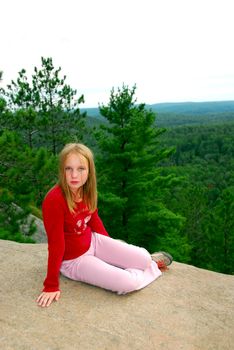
[26,175]
[131,188]
[45,110]
[14,198]
[60,117]
[21,103]
[220,234]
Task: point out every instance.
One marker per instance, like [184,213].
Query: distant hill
[185,113]
[194,108]
[186,108]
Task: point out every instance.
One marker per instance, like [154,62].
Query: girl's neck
[77,196]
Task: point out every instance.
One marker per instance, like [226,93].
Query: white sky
[173,50]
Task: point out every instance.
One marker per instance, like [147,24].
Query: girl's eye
[68,168]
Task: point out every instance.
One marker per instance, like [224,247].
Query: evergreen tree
[21,102]
[46,110]
[205,158]
[14,221]
[5,115]
[25,176]
[220,233]
[27,173]
[60,117]
[14,198]
[130,184]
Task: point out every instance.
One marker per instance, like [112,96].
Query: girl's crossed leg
[113,265]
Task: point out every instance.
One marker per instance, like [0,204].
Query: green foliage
[204,155]
[26,172]
[220,232]
[5,116]
[130,183]
[59,109]
[20,97]
[45,110]
[14,222]
[25,176]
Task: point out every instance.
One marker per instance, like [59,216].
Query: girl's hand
[46,298]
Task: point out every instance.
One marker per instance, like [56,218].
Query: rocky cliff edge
[187,308]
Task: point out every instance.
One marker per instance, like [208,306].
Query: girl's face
[76,171]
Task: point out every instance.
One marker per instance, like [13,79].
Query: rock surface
[40,234]
[187,308]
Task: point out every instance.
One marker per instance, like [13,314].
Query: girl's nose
[74,173]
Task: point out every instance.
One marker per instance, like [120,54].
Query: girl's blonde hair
[89,190]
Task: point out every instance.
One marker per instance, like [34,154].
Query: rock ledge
[187,308]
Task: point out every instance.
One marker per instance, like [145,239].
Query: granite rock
[186,308]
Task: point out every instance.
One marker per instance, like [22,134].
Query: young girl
[78,245]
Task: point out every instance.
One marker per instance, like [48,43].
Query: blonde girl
[78,244]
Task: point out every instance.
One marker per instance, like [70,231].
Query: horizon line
[175,102]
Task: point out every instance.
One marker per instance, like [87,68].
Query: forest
[165,180]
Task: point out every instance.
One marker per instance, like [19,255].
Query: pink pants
[112,265]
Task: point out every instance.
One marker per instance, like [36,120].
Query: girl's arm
[53,217]
[96,224]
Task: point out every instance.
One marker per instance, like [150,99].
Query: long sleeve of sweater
[96,224]
[53,216]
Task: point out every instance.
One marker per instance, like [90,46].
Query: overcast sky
[173,50]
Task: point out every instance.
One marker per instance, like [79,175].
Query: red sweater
[69,235]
